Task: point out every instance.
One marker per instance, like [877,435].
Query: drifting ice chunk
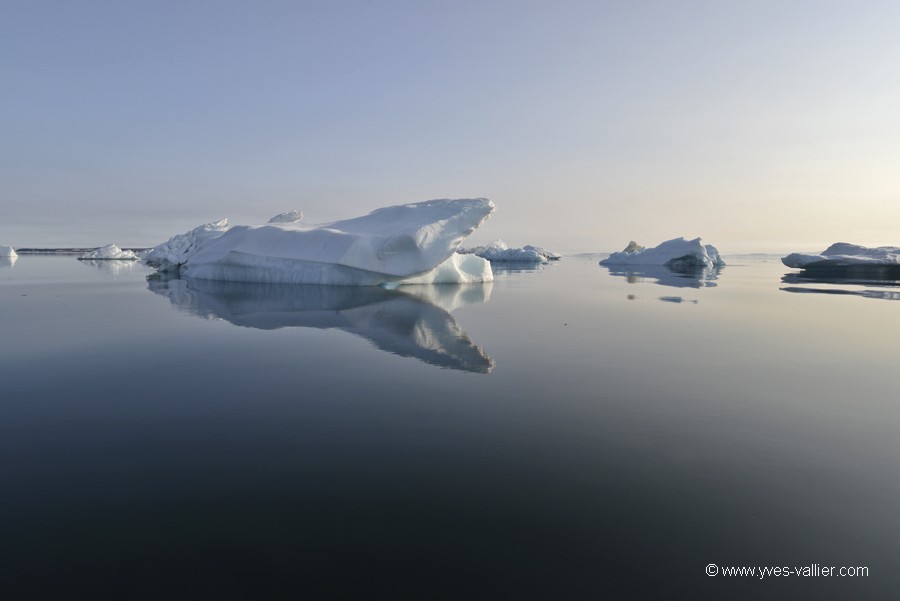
[848,257]
[499,251]
[7,251]
[677,253]
[458,269]
[387,245]
[175,252]
[110,252]
[289,217]
[547,254]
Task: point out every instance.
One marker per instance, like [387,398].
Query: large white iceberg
[500,251]
[388,245]
[172,254]
[110,252]
[7,251]
[677,253]
[844,256]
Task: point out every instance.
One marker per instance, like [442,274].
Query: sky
[760,126]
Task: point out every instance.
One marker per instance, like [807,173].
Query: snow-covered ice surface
[7,251]
[458,269]
[414,321]
[289,217]
[110,252]
[500,251]
[677,253]
[388,245]
[172,254]
[843,257]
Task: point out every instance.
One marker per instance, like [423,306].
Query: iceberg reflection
[412,321]
[838,284]
[684,277]
[8,261]
[111,267]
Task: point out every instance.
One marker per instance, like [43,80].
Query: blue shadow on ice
[412,321]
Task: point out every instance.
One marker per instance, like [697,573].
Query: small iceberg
[500,251]
[677,254]
[7,251]
[387,246]
[843,259]
[289,217]
[110,252]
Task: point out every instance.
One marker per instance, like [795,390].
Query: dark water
[566,433]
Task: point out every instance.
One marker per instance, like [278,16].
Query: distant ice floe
[390,245]
[412,321]
[843,258]
[7,251]
[499,251]
[110,252]
[677,253]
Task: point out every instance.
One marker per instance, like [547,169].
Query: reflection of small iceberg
[678,277]
[867,279]
[512,267]
[109,266]
[807,277]
[411,321]
[8,261]
[677,299]
[882,294]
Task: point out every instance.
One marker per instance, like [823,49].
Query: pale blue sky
[758,125]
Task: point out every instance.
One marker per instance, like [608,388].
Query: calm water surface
[566,433]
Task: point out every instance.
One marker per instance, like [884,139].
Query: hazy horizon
[762,126]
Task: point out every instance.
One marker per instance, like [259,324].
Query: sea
[569,431]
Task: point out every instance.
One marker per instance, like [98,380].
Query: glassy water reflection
[667,276]
[870,283]
[169,440]
[410,321]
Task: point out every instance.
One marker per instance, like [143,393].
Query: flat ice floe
[388,245]
[110,252]
[677,253]
[7,251]
[843,257]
